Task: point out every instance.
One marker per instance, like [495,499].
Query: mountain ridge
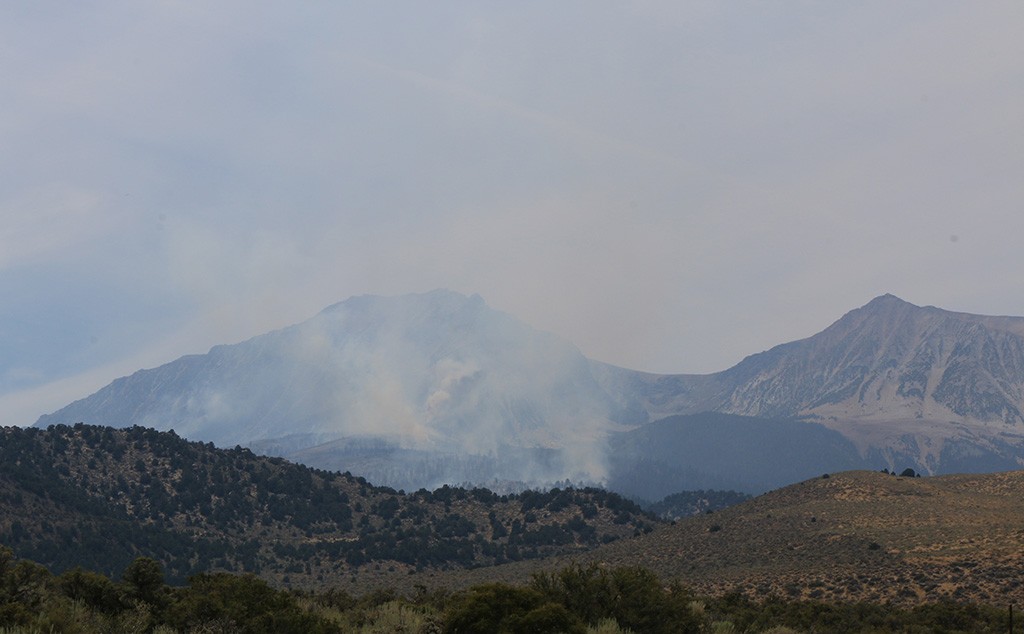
[442,374]
[887,375]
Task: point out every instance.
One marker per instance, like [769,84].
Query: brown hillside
[852,536]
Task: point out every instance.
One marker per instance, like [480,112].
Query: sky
[671,186]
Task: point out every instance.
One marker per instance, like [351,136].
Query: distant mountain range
[887,361]
[420,390]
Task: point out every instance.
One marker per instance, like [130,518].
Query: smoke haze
[670,186]
[437,374]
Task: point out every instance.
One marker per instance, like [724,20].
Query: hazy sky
[670,185]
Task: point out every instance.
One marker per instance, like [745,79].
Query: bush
[491,608]
[244,601]
[91,589]
[632,596]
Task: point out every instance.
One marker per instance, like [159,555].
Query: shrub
[491,608]
[244,601]
[634,597]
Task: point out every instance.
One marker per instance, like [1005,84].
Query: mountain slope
[888,359]
[725,451]
[940,386]
[437,372]
[853,536]
[891,359]
[420,390]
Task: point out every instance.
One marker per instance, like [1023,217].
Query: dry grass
[855,536]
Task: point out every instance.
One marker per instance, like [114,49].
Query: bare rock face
[891,359]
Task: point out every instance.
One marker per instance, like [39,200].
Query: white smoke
[451,375]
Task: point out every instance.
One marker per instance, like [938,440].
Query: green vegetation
[98,497]
[139,531]
[79,601]
[575,599]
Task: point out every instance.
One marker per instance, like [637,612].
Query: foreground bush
[633,597]
[576,600]
[503,608]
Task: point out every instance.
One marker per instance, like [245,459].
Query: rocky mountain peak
[885,301]
[887,361]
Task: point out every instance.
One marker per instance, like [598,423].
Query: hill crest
[849,537]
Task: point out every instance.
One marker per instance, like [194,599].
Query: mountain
[943,389]
[397,385]
[420,390]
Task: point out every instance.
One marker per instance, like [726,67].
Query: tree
[91,588]
[245,601]
[498,607]
[144,579]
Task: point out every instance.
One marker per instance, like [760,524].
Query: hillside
[857,536]
[853,536]
[98,497]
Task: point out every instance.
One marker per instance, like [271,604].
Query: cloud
[238,281]
[48,222]
[671,186]
[22,407]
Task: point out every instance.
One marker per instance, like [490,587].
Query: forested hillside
[98,497]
